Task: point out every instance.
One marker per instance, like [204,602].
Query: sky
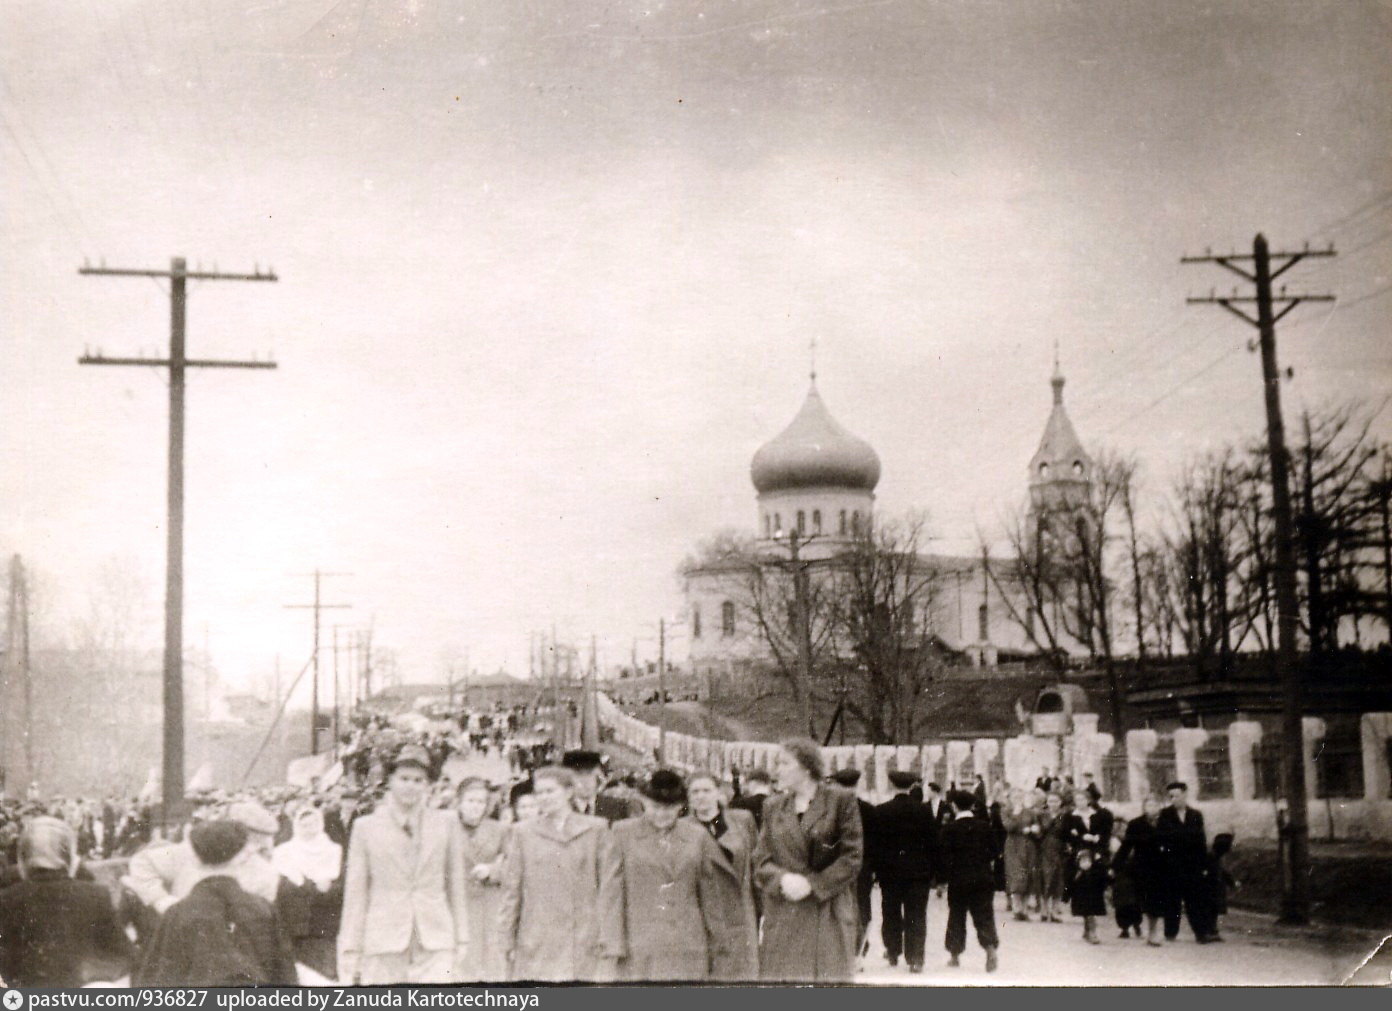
[549,274]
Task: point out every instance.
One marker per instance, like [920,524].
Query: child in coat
[1088,893]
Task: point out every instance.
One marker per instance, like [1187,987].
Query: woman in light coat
[806,864]
[736,954]
[484,843]
[559,919]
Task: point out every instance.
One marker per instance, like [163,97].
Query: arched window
[816,521]
[695,623]
[855,522]
[727,619]
[768,525]
[777,524]
[802,522]
[1077,468]
[1044,470]
[841,528]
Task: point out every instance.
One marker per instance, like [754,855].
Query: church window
[1044,470]
[727,619]
[768,525]
[983,623]
[695,623]
[778,524]
[802,522]
[855,522]
[841,528]
[816,521]
[1077,468]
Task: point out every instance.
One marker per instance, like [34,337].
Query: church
[814,487]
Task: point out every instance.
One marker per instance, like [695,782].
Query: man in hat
[865,880]
[585,766]
[404,889]
[218,934]
[162,874]
[908,837]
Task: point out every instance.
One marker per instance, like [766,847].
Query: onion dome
[814,451]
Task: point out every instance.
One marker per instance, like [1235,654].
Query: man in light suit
[403,901]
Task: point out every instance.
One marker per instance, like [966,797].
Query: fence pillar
[932,755]
[1312,732]
[1139,745]
[984,749]
[1243,736]
[883,754]
[1377,777]
[957,754]
[1187,741]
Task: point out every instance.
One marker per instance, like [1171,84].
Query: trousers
[865,881]
[977,903]
[1189,896]
[904,917]
[414,965]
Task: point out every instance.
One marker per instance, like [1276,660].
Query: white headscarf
[313,857]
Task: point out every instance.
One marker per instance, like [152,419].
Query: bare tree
[886,601]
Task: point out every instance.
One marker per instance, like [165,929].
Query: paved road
[1255,952]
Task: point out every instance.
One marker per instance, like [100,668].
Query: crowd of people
[559,869]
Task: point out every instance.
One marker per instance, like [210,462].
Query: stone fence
[1231,774]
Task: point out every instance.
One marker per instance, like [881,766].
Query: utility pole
[662,691]
[177,363]
[316,607]
[335,691]
[802,623]
[1295,904]
[17,660]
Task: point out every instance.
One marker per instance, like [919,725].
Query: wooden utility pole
[1295,904]
[177,363]
[16,662]
[662,691]
[316,607]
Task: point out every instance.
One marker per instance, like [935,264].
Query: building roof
[815,451]
[1060,447]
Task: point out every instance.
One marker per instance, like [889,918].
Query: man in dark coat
[966,850]
[906,835]
[937,805]
[1183,846]
[218,934]
[757,786]
[865,881]
[586,766]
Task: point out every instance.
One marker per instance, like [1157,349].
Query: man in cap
[218,934]
[404,917]
[585,766]
[162,874]
[865,880]
[908,836]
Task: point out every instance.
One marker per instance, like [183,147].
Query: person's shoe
[1154,943]
[991,961]
[893,960]
[1216,938]
[953,961]
[1124,933]
[915,968]
[1022,917]
[1204,939]
[1092,939]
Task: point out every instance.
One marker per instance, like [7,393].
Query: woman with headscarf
[1052,858]
[736,954]
[309,898]
[806,864]
[1020,856]
[485,841]
[56,931]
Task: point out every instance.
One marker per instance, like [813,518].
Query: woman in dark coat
[56,931]
[1050,849]
[1144,863]
[1020,855]
[735,957]
[806,863]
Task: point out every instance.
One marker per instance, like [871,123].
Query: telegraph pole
[1295,904]
[177,363]
[316,607]
[662,691]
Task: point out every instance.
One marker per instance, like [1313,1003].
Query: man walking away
[906,835]
[966,851]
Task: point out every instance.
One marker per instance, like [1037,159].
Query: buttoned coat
[484,845]
[667,906]
[387,895]
[559,918]
[736,953]
[813,939]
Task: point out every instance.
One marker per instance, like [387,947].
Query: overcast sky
[549,272]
